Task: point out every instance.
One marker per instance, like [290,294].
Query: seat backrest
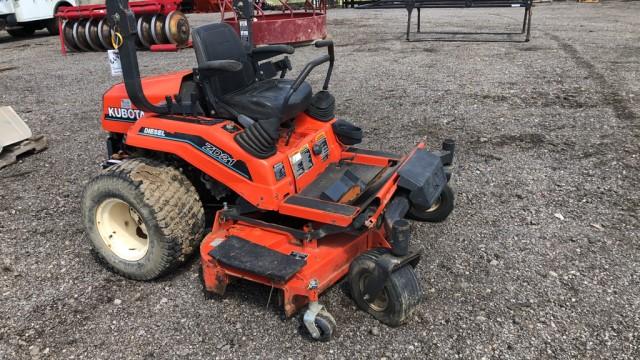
[220,42]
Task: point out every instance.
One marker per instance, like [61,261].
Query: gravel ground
[540,259]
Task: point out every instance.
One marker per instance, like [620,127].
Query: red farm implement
[161,25]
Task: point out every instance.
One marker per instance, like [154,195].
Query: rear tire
[143,218]
[399,297]
[25,31]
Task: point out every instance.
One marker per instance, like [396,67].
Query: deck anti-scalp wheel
[399,297]
[143,218]
[438,212]
[326,324]
[318,323]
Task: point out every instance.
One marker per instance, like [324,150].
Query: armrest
[269,51]
[329,57]
[221,65]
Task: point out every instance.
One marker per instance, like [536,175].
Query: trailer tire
[156,199]
[52,27]
[52,24]
[22,32]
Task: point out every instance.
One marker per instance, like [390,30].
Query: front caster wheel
[438,212]
[399,297]
[326,324]
[319,323]
[143,218]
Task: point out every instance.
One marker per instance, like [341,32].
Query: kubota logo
[124,114]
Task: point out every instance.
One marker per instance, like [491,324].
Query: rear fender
[211,149]
[119,114]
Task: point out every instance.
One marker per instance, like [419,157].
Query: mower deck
[316,264]
[304,261]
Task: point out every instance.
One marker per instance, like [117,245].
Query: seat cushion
[263,100]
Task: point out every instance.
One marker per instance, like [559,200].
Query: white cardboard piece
[12,128]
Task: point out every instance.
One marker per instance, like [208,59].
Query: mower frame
[297,229]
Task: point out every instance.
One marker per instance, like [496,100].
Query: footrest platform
[245,255]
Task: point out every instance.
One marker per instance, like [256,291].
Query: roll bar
[123,20]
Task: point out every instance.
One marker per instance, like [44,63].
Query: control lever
[169,102]
[194,104]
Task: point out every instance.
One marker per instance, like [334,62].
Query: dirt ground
[540,259]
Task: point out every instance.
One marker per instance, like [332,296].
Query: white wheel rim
[122,229]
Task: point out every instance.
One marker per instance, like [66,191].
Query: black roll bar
[123,21]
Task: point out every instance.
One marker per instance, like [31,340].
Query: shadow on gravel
[6,39]
[252,294]
[611,95]
[457,36]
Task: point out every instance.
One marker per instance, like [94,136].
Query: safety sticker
[114,62]
[301,161]
[321,143]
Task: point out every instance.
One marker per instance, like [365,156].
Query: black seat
[264,99]
[241,92]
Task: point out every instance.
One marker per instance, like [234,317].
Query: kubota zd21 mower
[296,206]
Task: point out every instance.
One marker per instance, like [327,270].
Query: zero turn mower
[296,206]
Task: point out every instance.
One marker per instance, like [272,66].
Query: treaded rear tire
[165,200]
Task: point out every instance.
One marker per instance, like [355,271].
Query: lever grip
[326,43]
[323,43]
